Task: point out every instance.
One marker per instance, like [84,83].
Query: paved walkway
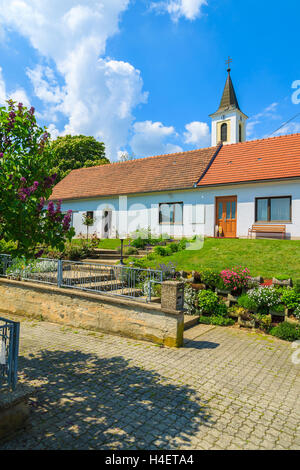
[227,389]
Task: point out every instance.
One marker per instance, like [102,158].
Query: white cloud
[290,128]
[189,9]
[45,85]
[269,113]
[150,139]
[18,95]
[2,89]
[197,133]
[98,95]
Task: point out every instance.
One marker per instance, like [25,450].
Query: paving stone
[225,390]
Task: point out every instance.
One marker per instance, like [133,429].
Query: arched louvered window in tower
[240,133]
[224,132]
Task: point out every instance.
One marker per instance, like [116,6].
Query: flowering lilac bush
[26,183]
[236,278]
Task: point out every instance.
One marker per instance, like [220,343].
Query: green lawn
[111,244]
[263,257]
[106,244]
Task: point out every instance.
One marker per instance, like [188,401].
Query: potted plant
[246,319]
[236,280]
[284,281]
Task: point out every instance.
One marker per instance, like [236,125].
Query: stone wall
[94,312]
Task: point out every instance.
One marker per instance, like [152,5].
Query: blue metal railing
[117,280]
[9,350]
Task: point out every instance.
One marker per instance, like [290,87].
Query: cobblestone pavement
[227,389]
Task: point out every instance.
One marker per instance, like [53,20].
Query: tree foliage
[26,183]
[73,152]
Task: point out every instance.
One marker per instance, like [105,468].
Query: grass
[106,244]
[111,244]
[267,258]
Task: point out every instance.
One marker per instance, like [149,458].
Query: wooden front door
[226,208]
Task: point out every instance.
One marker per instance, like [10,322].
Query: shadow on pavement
[87,402]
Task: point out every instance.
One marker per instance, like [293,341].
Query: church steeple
[228,122]
[229,99]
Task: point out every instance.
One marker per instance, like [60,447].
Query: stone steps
[105,286]
[102,261]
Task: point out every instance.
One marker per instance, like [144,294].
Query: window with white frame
[171,213]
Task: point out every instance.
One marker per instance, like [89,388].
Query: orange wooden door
[226,208]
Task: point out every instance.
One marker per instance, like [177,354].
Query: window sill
[170,223]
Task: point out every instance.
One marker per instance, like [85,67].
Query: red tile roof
[159,173]
[258,160]
[266,159]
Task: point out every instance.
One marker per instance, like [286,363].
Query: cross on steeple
[228,62]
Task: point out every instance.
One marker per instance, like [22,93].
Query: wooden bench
[259,228]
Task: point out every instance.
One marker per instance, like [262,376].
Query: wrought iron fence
[9,350]
[40,270]
[119,280]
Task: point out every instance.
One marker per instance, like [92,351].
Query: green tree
[26,183]
[88,221]
[73,152]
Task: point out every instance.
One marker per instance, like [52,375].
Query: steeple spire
[228,122]
[229,100]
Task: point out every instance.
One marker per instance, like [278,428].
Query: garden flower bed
[234,297]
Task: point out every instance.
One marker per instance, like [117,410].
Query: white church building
[224,190]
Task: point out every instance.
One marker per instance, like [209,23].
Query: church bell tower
[228,122]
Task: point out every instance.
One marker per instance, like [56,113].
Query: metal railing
[9,350]
[117,280]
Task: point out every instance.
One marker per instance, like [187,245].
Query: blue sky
[143,75]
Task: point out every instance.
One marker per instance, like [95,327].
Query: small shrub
[174,247]
[216,320]
[236,278]
[141,263]
[290,298]
[265,298]
[264,321]
[168,270]
[190,297]
[163,250]
[210,278]
[247,303]
[139,243]
[297,312]
[286,331]
[131,250]
[7,247]
[77,252]
[209,304]
[296,284]
[182,244]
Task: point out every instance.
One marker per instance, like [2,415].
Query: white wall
[198,211]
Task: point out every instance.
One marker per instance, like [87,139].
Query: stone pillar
[172,295]
[172,303]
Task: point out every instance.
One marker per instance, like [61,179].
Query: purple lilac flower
[39,254]
[41,204]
